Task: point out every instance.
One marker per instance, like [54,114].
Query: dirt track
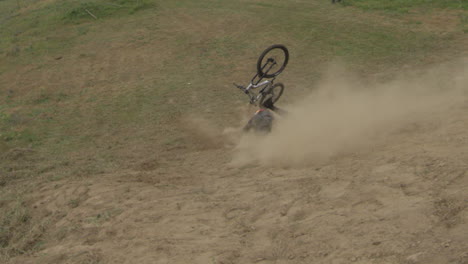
[400,200]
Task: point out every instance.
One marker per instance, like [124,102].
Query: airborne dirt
[346,113]
[352,175]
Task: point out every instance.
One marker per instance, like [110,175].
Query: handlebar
[239,86]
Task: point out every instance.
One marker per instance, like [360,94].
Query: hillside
[120,143]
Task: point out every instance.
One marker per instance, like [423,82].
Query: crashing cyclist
[263,119]
[270,64]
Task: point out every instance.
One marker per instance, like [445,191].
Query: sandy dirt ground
[370,178]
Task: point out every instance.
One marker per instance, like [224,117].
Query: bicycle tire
[276,91]
[260,63]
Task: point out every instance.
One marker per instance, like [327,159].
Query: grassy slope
[402,6]
[80,96]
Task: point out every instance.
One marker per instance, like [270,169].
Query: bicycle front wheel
[272,61]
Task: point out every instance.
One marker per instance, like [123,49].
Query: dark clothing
[262,121]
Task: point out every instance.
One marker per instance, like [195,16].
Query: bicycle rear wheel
[272,61]
[274,93]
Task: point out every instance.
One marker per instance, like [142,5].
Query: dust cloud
[203,133]
[345,114]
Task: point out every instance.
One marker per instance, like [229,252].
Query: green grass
[79,12]
[15,220]
[33,29]
[464,22]
[404,6]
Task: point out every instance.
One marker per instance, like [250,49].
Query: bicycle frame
[257,83]
[253,97]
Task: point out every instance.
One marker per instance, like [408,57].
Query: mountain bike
[270,64]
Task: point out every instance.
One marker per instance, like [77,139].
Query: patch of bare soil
[393,190]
